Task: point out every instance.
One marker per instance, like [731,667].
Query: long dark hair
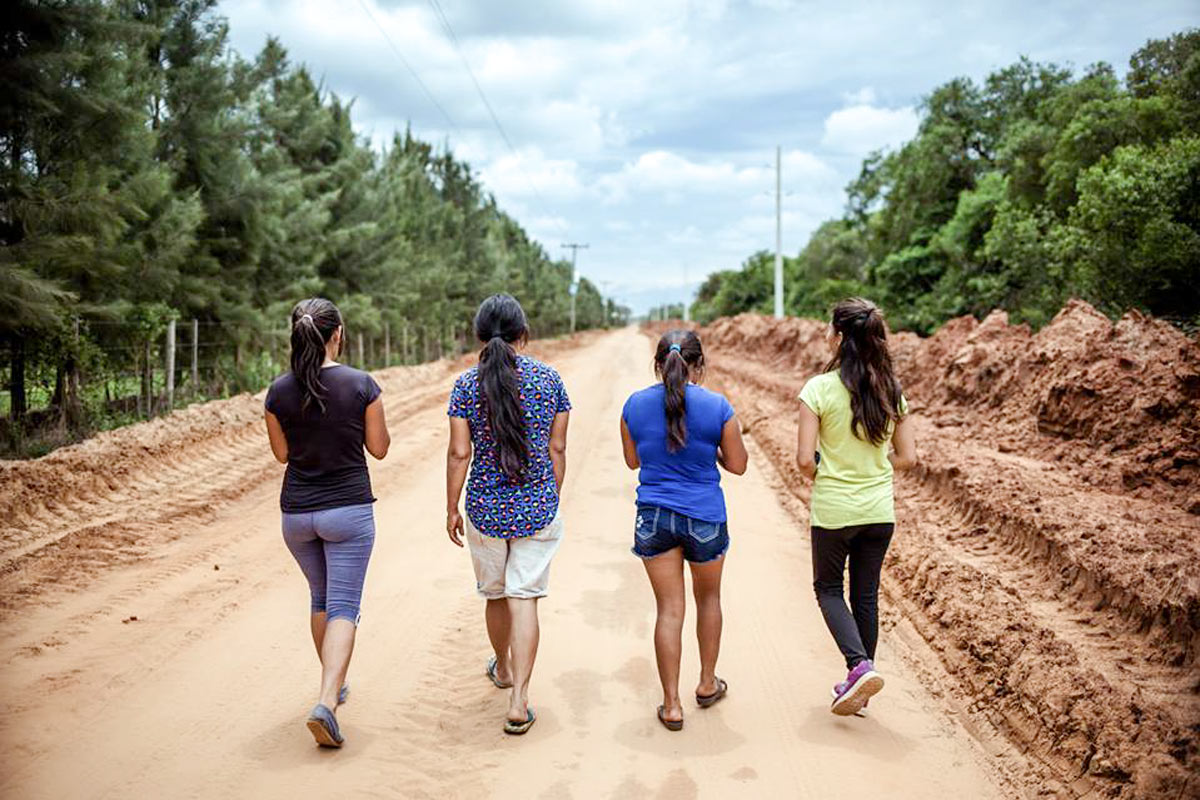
[313,323]
[678,351]
[865,366]
[500,324]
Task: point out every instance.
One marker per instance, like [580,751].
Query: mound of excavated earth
[1048,548]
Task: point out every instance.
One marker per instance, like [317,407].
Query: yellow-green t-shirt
[854,479]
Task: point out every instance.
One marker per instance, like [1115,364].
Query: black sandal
[669,724]
[706,700]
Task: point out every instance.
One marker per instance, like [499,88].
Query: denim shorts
[658,530]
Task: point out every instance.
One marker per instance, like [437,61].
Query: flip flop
[344,694]
[706,700]
[669,724]
[520,728]
[491,673]
[322,724]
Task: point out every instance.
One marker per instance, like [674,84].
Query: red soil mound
[1048,546]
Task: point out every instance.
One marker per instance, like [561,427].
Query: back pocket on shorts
[646,523]
[703,531]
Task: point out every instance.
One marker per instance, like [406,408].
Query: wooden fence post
[195,356]
[170,364]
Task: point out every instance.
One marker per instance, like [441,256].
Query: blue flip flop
[323,725]
[344,694]
[520,728]
[491,673]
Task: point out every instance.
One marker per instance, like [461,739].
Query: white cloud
[859,129]
[649,128]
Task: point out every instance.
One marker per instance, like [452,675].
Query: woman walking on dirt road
[320,416]
[677,433]
[855,409]
[512,411]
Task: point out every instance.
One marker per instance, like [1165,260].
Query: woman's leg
[349,535]
[666,578]
[499,629]
[867,550]
[523,645]
[316,624]
[706,586]
[309,552]
[829,551]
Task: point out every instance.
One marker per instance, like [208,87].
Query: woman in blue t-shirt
[677,433]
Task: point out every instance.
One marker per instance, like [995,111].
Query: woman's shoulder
[533,366]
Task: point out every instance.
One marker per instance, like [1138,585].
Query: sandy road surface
[205,693]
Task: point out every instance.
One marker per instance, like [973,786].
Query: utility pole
[687,306]
[778,232]
[574,248]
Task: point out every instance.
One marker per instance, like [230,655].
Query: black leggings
[856,632]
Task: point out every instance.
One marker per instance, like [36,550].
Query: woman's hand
[454,526]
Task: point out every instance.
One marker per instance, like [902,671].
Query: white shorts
[514,567]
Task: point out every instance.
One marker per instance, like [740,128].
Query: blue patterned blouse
[496,506]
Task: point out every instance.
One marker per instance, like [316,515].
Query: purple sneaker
[862,712]
[852,694]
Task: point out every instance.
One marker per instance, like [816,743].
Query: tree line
[1035,186]
[151,172]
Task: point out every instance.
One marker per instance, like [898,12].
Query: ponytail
[313,324]
[499,325]
[677,357]
[864,364]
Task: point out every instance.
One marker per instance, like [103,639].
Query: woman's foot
[323,725]
[501,681]
[860,685]
[668,723]
[671,714]
[707,694]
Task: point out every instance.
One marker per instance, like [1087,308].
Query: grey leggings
[855,631]
[332,548]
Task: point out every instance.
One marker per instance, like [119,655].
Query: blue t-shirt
[495,506]
[686,481]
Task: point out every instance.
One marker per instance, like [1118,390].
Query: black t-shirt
[327,467]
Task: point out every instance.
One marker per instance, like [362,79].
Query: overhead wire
[449,29]
[408,66]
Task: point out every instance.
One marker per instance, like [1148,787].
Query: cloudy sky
[648,128]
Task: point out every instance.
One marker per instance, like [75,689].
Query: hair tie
[676,348]
[306,317]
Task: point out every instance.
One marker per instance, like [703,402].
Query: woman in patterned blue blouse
[512,411]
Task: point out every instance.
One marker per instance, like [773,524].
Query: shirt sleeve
[903,405]
[371,390]
[562,402]
[727,412]
[272,402]
[810,395]
[459,401]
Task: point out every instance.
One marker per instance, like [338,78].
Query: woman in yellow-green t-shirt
[854,411]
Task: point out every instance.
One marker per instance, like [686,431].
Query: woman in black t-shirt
[320,416]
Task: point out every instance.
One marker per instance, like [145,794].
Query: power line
[441,16]
[408,66]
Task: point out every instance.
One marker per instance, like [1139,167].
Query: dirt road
[205,692]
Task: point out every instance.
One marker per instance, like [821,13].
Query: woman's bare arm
[629,446]
[278,441]
[904,442]
[558,447]
[731,453]
[458,458]
[377,438]
[806,441]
